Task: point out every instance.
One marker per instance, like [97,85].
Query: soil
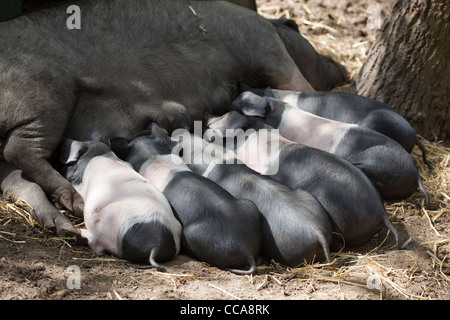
[39,265]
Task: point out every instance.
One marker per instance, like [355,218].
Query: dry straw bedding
[376,266]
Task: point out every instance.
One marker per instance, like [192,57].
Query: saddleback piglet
[355,109]
[124,214]
[390,168]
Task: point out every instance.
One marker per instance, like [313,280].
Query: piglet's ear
[161,135]
[71,150]
[157,131]
[251,105]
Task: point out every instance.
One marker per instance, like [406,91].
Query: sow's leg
[36,108]
[15,186]
[28,148]
[278,68]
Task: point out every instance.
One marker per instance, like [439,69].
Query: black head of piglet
[148,143]
[252,105]
[75,155]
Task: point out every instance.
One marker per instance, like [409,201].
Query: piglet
[125,215]
[355,109]
[390,168]
[217,228]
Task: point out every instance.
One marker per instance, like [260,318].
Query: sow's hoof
[69,200]
[51,219]
[58,224]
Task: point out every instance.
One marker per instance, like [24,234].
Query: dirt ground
[37,265]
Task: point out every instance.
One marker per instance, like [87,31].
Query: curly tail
[249,271]
[424,191]
[325,247]
[389,225]
[153,262]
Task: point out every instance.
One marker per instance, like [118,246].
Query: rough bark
[408,67]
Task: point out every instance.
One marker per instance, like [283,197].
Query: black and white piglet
[355,109]
[124,214]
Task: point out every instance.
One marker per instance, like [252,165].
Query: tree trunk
[408,67]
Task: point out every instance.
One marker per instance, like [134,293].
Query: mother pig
[131,63]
